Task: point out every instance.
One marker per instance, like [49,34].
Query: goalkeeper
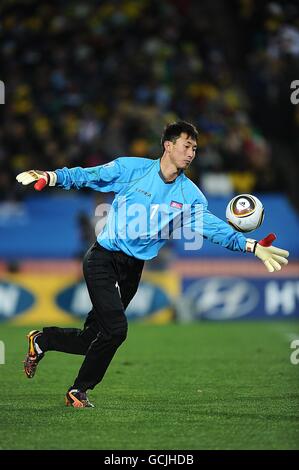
[113,265]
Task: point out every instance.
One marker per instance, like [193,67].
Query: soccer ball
[245,213]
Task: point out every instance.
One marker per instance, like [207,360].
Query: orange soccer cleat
[32,357]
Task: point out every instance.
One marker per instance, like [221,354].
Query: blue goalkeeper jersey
[147,211]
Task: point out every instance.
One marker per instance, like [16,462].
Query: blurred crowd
[87,81]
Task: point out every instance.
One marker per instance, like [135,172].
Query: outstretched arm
[103,178]
[221,233]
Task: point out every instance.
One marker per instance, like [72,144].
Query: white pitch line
[291,336]
[288,335]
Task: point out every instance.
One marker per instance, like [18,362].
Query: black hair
[173,131]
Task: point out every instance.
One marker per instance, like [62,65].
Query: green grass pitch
[196,386]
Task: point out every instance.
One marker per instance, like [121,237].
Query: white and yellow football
[245,213]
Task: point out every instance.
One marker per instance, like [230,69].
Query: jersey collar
[162,177]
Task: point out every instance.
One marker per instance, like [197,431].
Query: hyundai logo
[222,298]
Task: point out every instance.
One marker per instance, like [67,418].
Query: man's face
[182,151]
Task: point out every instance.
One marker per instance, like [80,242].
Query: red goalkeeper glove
[42,178]
[272,257]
